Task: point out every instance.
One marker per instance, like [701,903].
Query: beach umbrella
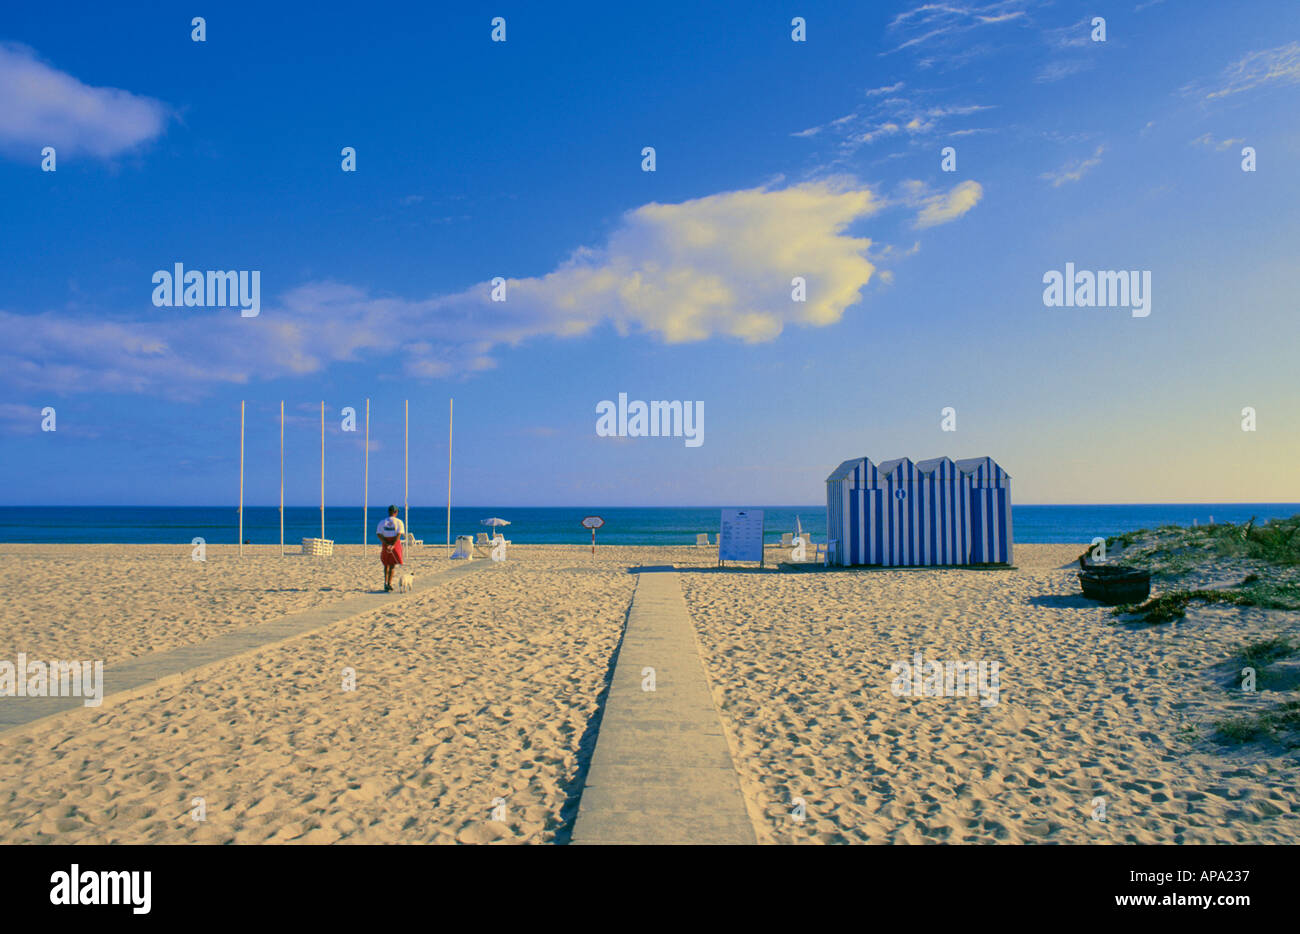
[798,528]
[493,522]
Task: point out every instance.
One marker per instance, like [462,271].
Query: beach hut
[901,513]
[990,510]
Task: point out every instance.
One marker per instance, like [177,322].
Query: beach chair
[482,538]
[825,553]
[412,541]
[702,538]
[787,539]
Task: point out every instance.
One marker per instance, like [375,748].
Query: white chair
[702,538]
[412,541]
[787,539]
[482,538]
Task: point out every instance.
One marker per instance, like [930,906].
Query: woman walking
[391,531]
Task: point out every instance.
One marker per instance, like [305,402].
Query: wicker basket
[318,546]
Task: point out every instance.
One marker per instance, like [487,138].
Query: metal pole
[365,496]
[322,469]
[281,478]
[241,476]
[406,465]
[450,413]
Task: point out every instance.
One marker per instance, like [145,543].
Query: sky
[524,160]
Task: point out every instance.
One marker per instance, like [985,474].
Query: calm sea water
[550,525]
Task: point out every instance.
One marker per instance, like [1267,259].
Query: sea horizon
[1032,523]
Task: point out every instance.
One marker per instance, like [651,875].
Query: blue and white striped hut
[931,512]
[990,510]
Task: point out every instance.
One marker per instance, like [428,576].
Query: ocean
[549,525]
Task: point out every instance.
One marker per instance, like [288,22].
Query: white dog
[405,582]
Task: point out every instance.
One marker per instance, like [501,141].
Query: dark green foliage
[1280,723]
[1259,654]
[1276,541]
[1171,552]
[1172,604]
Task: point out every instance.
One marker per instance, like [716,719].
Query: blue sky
[774,158]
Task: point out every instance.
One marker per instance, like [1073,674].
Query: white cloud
[717,266]
[1265,68]
[942,208]
[915,115]
[939,21]
[1205,139]
[19,419]
[1056,71]
[1074,170]
[47,107]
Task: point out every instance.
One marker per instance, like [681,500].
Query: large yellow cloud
[720,265]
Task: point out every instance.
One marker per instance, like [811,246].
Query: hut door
[988,526]
[867,527]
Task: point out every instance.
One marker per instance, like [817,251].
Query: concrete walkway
[661,772]
[147,671]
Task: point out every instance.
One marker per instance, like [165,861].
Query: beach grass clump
[1280,723]
[1276,541]
[1171,550]
[1198,556]
[1253,591]
[1258,654]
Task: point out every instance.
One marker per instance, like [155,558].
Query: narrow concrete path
[139,674]
[661,772]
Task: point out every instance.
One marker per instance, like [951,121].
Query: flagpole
[450,413]
[322,469]
[406,466]
[281,478]
[365,496]
[241,476]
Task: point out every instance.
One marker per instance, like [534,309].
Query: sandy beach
[483,690]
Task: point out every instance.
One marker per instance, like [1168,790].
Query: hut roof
[846,468]
[930,465]
[967,465]
[889,466]
[975,464]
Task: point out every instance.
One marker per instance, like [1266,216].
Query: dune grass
[1280,723]
[1270,550]
[1276,542]
[1258,654]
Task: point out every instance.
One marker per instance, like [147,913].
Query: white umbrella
[494,522]
[798,528]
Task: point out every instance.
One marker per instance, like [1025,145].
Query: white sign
[741,535]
